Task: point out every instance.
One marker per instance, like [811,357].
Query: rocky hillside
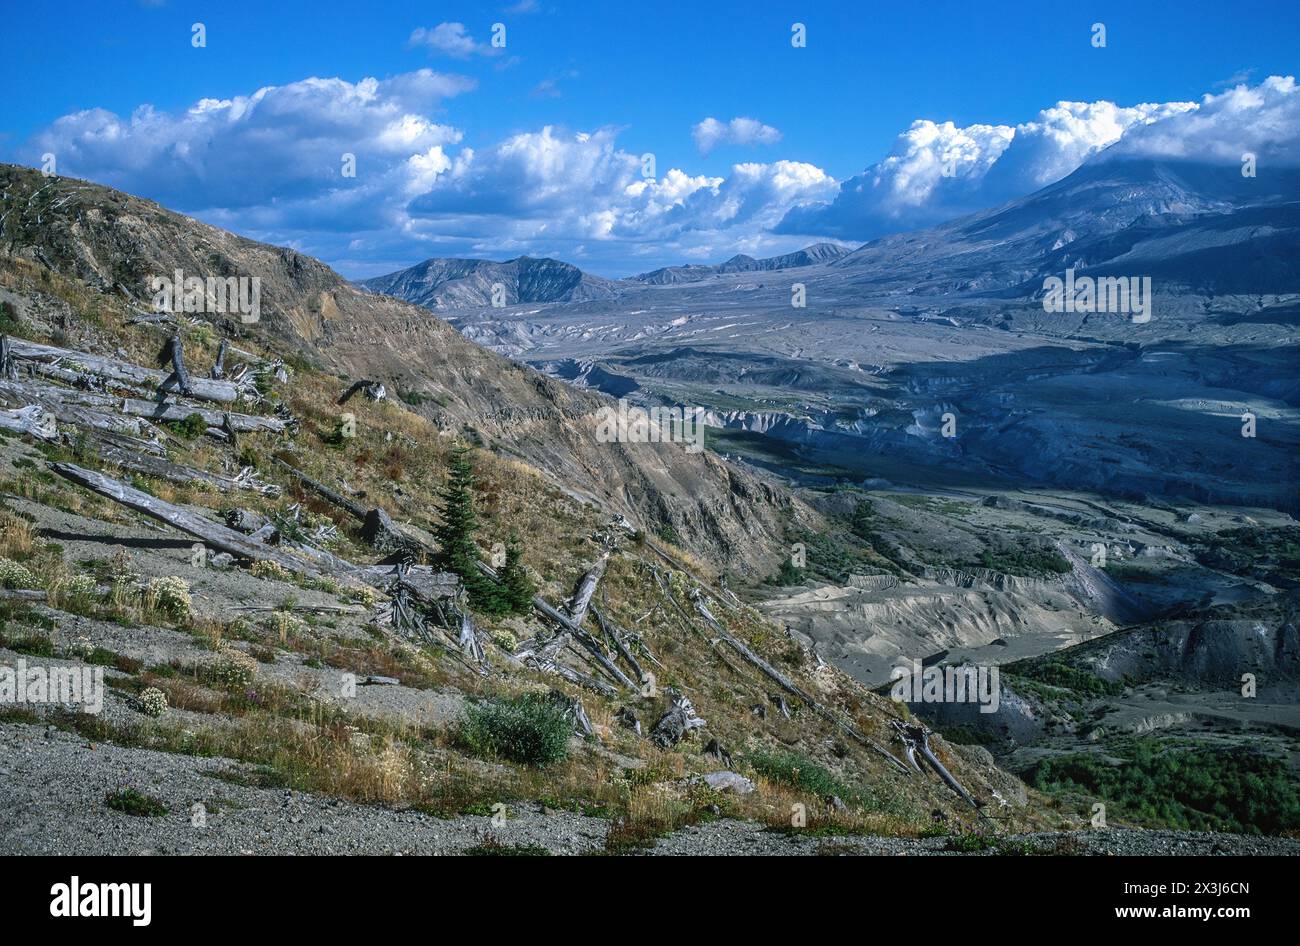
[808,256]
[457,283]
[286,667]
[108,245]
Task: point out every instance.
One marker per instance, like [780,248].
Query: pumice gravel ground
[57,781]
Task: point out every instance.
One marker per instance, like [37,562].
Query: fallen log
[789,686]
[575,676]
[614,633]
[175,473]
[917,738]
[23,594]
[356,509]
[25,395]
[224,392]
[303,608]
[158,411]
[211,533]
[32,419]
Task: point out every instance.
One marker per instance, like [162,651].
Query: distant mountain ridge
[740,263]
[1186,222]
[454,283]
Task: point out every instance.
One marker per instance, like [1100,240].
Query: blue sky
[646,74]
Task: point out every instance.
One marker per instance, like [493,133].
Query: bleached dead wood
[176,473]
[219,365]
[789,685]
[374,390]
[615,633]
[213,534]
[576,676]
[224,392]
[16,393]
[916,738]
[32,419]
[423,582]
[468,638]
[23,594]
[8,368]
[581,600]
[133,407]
[676,723]
[301,608]
[179,377]
[575,711]
[355,508]
[169,411]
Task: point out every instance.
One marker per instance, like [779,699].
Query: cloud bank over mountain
[274,164]
[936,172]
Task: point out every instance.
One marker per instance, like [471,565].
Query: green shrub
[531,729]
[9,321]
[192,426]
[1030,561]
[1198,789]
[131,802]
[798,771]
[1058,673]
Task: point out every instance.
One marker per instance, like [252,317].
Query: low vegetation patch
[1197,789]
[136,803]
[530,729]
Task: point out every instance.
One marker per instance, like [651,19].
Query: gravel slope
[56,782]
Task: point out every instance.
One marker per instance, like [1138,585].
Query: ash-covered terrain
[1005,482]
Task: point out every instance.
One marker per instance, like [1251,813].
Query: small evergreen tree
[457,550]
[516,587]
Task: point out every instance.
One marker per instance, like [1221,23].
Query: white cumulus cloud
[450,39]
[711,133]
[937,171]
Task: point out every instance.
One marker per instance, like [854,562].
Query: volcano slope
[1031,480]
[115,244]
[223,550]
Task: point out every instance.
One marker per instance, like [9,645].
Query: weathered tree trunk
[179,376]
[152,410]
[219,366]
[676,723]
[26,394]
[32,419]
[173,472]
[789,686]
[356,509]
[8,368]
[917,738]
[582,594]
[212,534]
[615,633]
[224,392]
